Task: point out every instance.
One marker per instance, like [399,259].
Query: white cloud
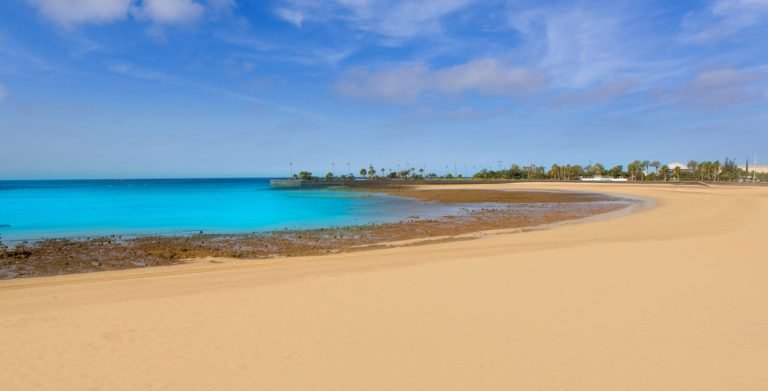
[407,84]
[577,47]
[394,19]
[3,92]
[69,13]
[489,77]
[72,12]
[292,16]
[171,11]
[719,88]
[724,19]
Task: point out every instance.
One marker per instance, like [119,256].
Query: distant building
[599,178]
[674,165]
[757,169]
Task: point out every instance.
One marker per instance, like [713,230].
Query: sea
[35,210]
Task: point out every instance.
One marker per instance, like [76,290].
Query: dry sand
[669,298]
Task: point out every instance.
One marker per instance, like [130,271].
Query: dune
[671,297]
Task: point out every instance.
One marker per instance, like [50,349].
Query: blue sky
[178,88]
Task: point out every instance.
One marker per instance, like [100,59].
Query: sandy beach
[668,298]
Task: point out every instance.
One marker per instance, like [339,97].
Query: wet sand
[669,298]
[501,210]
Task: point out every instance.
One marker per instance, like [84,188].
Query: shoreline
[498,211]
[667,298]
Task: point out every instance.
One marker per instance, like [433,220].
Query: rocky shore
[499,210]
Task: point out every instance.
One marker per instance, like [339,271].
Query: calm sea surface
[31,210]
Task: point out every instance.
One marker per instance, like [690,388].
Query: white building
[599,178]
[674,165]
[757,169]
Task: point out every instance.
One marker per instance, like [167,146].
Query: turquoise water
[31,210]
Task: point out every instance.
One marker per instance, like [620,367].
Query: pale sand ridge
[669,298]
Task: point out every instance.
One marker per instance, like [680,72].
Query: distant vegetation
[645,170]
[373,173]
[637,170]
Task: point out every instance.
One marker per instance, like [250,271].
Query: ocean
[33,210]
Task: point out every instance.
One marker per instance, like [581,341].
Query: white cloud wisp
[408,84]
[70,13]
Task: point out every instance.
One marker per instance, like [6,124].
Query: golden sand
[669,298]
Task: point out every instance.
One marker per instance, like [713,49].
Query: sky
[238,88]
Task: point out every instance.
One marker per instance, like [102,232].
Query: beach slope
[668,298]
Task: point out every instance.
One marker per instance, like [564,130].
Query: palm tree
[306,176]
[576,172]
[677,173]
[664,172]
[554,172]
[655,164]
[616,171]
[703,170]
[363,172]
[692,165]
[634,168]
[645,164]
[598,169]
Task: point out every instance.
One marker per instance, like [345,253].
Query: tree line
[372,173]
[637,170]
